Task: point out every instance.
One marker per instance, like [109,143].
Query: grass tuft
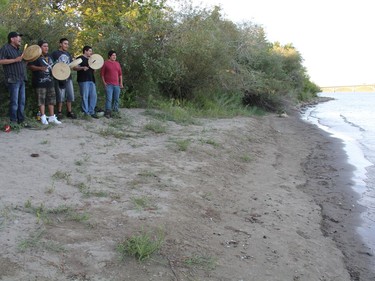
[156,127]
[59,214]
[60,175]
[210,142]
[5,215]
[143,203]
[35,240]
[87,192]
[202,262]
[141,246]
[246,158]
[183,145]
[114,132]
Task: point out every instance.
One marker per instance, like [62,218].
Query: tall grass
[215,106]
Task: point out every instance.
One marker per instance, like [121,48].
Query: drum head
[31,53]
[96,61]
[61,71]
[75,63]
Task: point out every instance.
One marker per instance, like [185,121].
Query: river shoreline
[339,203]
[341,212]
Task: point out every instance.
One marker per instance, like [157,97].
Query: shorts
[64,92]
[46,96]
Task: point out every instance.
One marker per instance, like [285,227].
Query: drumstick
[24,48]
[46,63]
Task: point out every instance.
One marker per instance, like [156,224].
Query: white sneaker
[53,119]
[43,119]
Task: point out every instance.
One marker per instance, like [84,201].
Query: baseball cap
[13,34]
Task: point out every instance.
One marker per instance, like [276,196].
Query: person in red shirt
[111,74]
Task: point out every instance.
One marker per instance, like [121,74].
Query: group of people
[52,92]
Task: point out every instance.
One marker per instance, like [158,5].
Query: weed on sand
[56,215]
[147,174]
[156,127]
[36,241]
[143,203]
[246,158]
[5,216]
[114,132]
[182,145]
[141,246]
[175,114]
[202,262]
[50,189]
[87,192]
[210,142]
[60,175]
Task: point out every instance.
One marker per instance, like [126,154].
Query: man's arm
[10,61]
[37,68]
[121,84]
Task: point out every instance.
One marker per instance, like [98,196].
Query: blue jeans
[88,94]
[17,101]
[112,92]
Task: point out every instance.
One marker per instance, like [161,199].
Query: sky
[336,38]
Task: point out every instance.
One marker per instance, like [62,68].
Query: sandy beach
[245,198]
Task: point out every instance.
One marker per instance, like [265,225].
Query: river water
[351,118]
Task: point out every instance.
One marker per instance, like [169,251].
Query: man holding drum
[64,88]
[86,82]
[42,81]
[11,58]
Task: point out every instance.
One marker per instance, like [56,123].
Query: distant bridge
[352,88]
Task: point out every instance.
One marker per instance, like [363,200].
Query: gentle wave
[350,117]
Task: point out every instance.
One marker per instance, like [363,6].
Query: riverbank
[261,198]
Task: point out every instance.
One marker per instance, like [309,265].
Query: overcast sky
[336,38]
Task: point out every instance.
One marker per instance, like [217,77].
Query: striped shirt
[13,72]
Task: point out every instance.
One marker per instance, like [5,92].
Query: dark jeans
[17,101]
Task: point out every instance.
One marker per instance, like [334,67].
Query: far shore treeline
[190,58]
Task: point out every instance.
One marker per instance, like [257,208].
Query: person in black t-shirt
[86,82]
[42,81]
[64,89]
